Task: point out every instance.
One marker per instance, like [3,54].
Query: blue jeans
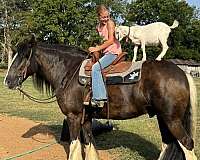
[98,87]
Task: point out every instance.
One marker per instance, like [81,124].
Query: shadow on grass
[104,141]
[132,141]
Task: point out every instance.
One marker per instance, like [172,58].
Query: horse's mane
[64,49]
[39,81]
[42,85]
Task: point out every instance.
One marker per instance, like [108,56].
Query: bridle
[23,75]
[47,100]
[24,71]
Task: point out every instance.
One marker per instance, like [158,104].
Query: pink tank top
[115,48]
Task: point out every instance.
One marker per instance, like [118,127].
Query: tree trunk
[3,56]
[10,53]
[7,51]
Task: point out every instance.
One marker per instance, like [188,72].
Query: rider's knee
[96,67]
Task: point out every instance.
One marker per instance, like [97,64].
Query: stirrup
[87,98]
[87,103]
[99,103]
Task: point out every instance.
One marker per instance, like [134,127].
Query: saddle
[119,72]
[117,66]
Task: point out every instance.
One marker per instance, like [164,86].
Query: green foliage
[74,22]
[145,12]
[183,41]
[3,65]
[66,21]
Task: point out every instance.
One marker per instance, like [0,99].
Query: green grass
[14,104]
[138,138]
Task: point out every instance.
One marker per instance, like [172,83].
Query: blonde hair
[102,8]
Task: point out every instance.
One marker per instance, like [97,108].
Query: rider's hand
[94,49]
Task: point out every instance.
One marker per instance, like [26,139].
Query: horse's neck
[54,68]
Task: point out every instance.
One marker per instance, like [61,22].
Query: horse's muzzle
[13,84]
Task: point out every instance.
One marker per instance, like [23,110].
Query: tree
[149,11]
[73,22]
[12,15]
[66,21]
[54,21]
[5,24]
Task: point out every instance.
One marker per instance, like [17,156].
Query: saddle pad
[131,75]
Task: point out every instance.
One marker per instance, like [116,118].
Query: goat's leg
[164,49]
[135,53]
[144,58]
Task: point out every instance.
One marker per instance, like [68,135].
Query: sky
[194,3]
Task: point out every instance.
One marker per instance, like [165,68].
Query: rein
[24,72]
[46,100]
[36,99]
[63,85]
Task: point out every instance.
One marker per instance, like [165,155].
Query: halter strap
[24,72]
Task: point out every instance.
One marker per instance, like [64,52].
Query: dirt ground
[32,140]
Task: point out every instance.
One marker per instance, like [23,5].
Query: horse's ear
[33,41]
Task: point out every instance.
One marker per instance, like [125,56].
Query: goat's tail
[175,24]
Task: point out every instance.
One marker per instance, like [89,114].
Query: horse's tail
[173,150]
[174,25]
[190,119]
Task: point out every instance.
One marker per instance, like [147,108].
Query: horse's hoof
[188,143]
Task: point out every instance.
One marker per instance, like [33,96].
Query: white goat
[151,34]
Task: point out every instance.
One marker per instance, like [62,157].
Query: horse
[164,91]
